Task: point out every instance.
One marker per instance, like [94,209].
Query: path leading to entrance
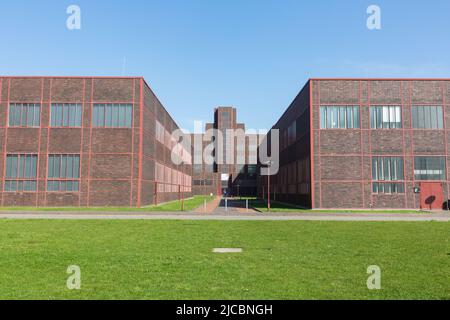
[233,207]
[210,206]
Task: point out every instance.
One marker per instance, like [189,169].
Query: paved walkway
[231,215]
[210,206]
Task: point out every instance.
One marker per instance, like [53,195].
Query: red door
[431,196]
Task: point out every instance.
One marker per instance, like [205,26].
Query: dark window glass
[342,117]
[386,117]
[112,115]
[24,115]
[21,173]
[63,170]
[427,117]
[384,171]
[65,115]
[429,168]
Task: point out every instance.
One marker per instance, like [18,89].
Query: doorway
[431,196]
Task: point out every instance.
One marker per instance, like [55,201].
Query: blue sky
[254,55]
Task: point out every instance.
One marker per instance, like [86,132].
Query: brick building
[87,141]
[236,177]
[365,143]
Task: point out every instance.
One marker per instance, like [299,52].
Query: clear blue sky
[255,55]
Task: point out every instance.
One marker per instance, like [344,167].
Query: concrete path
[210,206]
[230,216]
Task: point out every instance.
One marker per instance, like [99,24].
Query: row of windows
[70,115]
[165,138]
[381,117]
[387,171]
[63,173]
[343,117]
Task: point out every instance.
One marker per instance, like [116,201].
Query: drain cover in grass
[227,250]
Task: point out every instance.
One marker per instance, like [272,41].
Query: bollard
[226,204]
[246,204]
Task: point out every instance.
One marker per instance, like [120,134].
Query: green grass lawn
[261,205]
[189,204]
[173,259]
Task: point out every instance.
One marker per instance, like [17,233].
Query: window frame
[23,173]
[333,113]
[54,180]
[58,115]
[378,113]
[422,117]
[110,116]
[23,121]
[443,160]
[391,175]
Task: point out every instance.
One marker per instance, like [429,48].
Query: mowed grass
[189,204]
[275,206]
[163,259]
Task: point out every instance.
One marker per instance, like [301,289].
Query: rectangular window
[112,115]
[65,115]
[24,114]
[342,117]
[387,172]
[21,172]
[63,173]
[385,117]
[429,168]
[428,117]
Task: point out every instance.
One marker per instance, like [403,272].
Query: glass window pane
[440,118]
[323,117]
[76,167]
[108,115]
[350,120]
[115,115]
[342,116]
[63,167]
[356,117]
[415,116]
[57,168]
[78,118]
[375,169]
[95,117]
[373,117]
[122,115]
[30,115]
[70,167]
[59,115]
[129,116]
[334,117]
[329,117]
[72,115]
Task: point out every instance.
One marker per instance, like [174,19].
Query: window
[385,172]
[292,133]
[113,115]
[429,168]
[427,117]
[343,117]
[21,173]
[65,115]
[385,117]
[63,173]
[24,114]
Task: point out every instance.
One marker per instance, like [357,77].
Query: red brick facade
[341,159]
[117,165]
